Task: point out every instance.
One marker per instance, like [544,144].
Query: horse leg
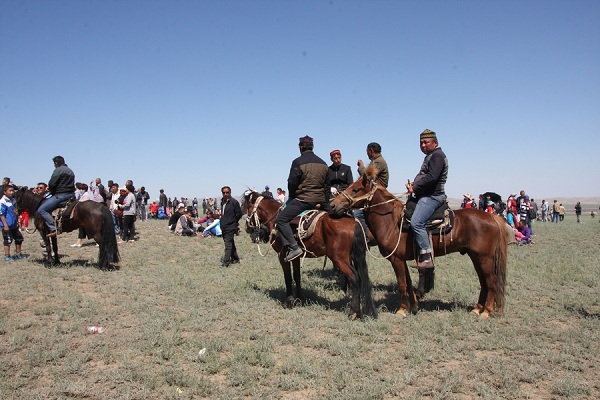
[296,265]
[401,271]
[412,296]
[54,247]
[287,276]
[483,268]
[350,278]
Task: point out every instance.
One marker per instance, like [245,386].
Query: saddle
[304,224]
[440,222]
[63,214]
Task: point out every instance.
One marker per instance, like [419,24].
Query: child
[10,225]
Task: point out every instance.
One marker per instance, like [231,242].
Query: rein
[253,222]
[368,197]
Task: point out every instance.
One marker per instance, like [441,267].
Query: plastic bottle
[95,329]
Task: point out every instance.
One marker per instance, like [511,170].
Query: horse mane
[29,201]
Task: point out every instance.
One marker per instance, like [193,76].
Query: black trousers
[230,249]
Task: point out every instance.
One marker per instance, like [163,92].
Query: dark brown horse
[480,235]
[94,217]
[340,239]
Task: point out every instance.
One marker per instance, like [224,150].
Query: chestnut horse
[478,234]
[340,239]
[94,217]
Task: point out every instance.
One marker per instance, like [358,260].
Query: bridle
[253,222]
[368,197]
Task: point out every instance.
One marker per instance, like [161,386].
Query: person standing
[129,210]
[142,198]
[163,201]
[578,211]
[231,212]
[555,211]
[62,188]
[9,224]
[428,188]
[561,212]
[308,187]
[340,175]
[544,208]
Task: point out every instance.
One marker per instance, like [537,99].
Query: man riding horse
[308,185]
[428,188]
[62,188]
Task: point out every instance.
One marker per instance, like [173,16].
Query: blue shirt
[7,210]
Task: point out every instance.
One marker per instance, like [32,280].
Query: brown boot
[424,261]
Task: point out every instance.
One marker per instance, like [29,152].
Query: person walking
[428,188]
[308,187]
[9,224]
[231,212]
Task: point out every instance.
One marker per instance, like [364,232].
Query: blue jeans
[51,204]
[425,208]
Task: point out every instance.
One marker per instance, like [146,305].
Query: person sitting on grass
[214,229]
[185,224]
[525,232]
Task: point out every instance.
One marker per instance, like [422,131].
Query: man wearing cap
[308,186]
[62,188]
[340,175]
[267,193]
[428,188]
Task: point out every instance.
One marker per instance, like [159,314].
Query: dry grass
[170,298]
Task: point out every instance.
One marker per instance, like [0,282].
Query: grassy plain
[170,298]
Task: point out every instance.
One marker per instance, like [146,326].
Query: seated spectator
[468,202]
[524,236]
[154,210]
[175,217]
[214,229]
[185,225]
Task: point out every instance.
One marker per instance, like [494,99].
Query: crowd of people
[311,184]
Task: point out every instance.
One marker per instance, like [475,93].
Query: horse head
[358,194]
[262,212]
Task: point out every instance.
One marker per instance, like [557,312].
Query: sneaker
[131,241]
[76,245]
[27,230]
[120,241]
[293,254]
[20,257]
[9,259]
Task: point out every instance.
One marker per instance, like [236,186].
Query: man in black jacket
[231,212]
[62,188]
[340,175]
[308,186]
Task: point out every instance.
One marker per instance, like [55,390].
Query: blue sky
[192,95]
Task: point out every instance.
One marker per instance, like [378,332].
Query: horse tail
[109,251]
[358,259]
[500,261]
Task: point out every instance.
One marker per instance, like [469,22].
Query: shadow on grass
[582,312]
[82,263]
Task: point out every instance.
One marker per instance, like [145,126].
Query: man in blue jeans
[62,188]
[428,188]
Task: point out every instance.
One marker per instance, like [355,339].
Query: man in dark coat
[231,212]
[308,186]
[340,175]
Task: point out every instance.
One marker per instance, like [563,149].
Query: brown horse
[94,217]
[340,239]
[480,235]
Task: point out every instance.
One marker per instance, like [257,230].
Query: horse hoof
[475,311]
[401,313]
[484,315]
[353,316]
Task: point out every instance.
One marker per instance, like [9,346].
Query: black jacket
[231,212]
[340,177]
[308,180]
